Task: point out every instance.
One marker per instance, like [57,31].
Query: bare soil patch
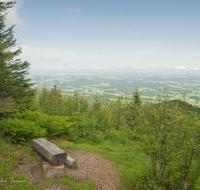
[91,166]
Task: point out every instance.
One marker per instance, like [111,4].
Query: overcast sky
[108,33]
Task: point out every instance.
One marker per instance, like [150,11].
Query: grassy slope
[129,159]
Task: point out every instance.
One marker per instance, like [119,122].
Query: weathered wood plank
[70,161]
[49,150]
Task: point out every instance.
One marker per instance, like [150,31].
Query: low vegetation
[155,146]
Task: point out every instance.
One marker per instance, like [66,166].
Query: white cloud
[194,68]
[13,16]
[51,57]
[48,58]
[180,67]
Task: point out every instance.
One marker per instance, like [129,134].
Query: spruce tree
[16,92]
[134,114]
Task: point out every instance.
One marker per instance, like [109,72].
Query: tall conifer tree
[16,92]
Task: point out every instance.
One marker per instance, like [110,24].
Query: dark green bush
[118,136]
[84,129]
[19,130]
[56,126]
[23,127]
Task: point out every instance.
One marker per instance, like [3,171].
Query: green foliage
[55,126]
[19,130]
[118,136]
[165,135]
[173,139]
[52,102]
[8,160]
[16,91]
[23,127]
[85,129]
[134,114]
[116,111]
[97,104]
[7,106]
[136,98]
[73,184]
[129,158]
[155,127]
[186,106]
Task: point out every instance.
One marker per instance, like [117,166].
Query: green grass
[15,181]
[131,160]
[8,179]
[129,157]
[75,185]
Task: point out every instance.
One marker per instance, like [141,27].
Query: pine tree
[15,89]
[134,115]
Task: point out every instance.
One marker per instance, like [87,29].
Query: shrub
[84,129]
[23,127]
[19,130]
[56,126]
[119,136]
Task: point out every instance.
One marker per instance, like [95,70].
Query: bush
[19,130]
[84,129]
[119,136]
[23,127]
[56,126]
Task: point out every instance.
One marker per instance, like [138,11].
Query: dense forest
[167,133]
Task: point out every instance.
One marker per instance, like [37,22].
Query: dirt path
[90,166]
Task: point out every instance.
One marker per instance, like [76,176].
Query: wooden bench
[49,150]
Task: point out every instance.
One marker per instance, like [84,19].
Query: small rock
[22,161]
[51,170]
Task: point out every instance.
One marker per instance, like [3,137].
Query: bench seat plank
[49,150]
